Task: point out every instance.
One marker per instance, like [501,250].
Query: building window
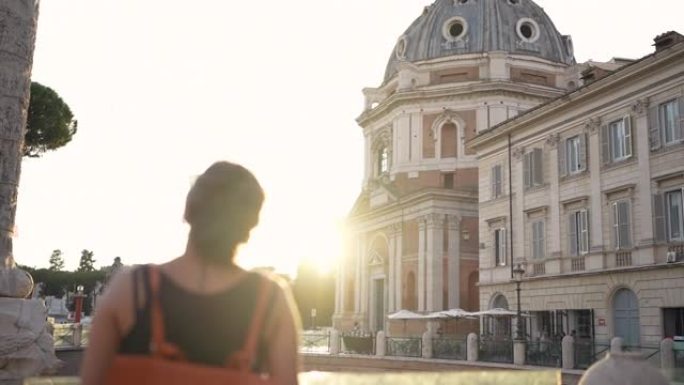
[497,181]
[575,154]
[538,240]
[668,115]
[617,140]
[622,238]
[448,180]
[383,161]
[578,233]
[532,168]
[673,322]
[673,211]
[500,247]
[666,123]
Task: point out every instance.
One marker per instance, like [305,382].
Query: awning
[405,315]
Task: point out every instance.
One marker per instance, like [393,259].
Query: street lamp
[518,273]
[78,298]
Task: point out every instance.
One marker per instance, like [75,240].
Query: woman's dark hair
[222,207]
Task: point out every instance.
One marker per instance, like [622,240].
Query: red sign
[602,322]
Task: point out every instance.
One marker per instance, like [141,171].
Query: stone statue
[26,347]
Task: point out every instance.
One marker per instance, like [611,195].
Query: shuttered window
[617,140]
[575,155]
[500,247]
[622,237]
[674,215]
[497,181]
[666,123]
[538,240]
[578,233]
[533,172]
[668,115]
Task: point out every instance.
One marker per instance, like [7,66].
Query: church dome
[457,27]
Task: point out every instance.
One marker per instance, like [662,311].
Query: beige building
[461,68]
[585,192]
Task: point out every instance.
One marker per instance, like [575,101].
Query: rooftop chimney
[667,40]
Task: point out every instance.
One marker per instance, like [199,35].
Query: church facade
[461,68]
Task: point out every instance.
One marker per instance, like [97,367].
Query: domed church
[462,67]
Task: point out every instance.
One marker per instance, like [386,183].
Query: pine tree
[87,262]
[56,261]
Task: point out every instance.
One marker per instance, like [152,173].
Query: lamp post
[518,273]
[78,303]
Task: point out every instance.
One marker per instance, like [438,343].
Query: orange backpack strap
[243,359]
[159,347]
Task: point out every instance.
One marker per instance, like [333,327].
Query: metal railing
[496,350]
[354,344]
[450,348]
[315,342]
[66,336]
[650,353]
[404,347]
[587,352]
[544,353]
[577,264]
[623,259]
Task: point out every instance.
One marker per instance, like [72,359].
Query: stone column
[594,166]
[422,239]
[519,352]
[667,358]
[394,272]
[380,344]
[434,259]
[454,262]
[27,347]
[357,275]
[334,342]
[368,157]
[339,289]
[390,271]
[554,241]
[365,281]
[473,347]
[568,352]
[640,135]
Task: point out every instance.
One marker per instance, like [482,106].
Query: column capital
[453,221]
[592,125]
[553,140]
[640,107]
[518,152]
[435,220]
[395,229]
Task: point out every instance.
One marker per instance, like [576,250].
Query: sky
[161,89]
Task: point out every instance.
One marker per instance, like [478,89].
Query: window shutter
[616,226]
[538,169]
[624,225]
[526,170]
[584,233]
[494,182]
[605,144]
[654,128]
[504,256]
[572,233]
[562,160]
[582,159]
[681,119]
[627,121]
[659,217]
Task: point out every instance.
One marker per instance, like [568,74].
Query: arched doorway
[499,326]
[626,317]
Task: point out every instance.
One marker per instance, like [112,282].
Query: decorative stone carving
[435,220]
[592,125]
[394,229]
[518,152]
[553,140]
[640,107]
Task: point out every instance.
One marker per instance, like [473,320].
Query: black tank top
[207,328]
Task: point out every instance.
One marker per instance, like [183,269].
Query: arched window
[383,161]
[449,141]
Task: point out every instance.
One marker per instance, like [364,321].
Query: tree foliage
[313,290]
[50,123]
[87,262]
[56,261]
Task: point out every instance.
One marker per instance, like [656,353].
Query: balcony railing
[544,353]
[496,350]
[539,268]
[577,264]
[623,258]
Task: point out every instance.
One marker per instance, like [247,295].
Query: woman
[206,300]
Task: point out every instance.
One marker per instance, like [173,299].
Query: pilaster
[596,228]
[453,261]
[643,198]
[421,263]
[434,259]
